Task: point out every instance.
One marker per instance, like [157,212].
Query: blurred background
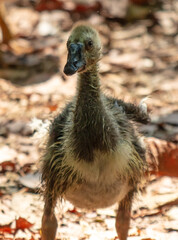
[140,59]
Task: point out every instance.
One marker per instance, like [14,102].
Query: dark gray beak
[75,60]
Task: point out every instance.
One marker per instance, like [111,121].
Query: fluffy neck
[88,92]
[92,126]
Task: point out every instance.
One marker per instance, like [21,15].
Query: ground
[140,59]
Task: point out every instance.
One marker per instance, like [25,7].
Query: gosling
[94,156]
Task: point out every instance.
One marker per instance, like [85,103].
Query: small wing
[51,161]
[132,111]
[57,125]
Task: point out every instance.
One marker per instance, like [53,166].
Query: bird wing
[132,111]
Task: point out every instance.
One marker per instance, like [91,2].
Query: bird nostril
[75,61]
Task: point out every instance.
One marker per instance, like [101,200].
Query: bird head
[84,49]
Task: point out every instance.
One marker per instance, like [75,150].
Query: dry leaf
[6,228]
[74,211]
[7,166]
[166,155]
[22,223]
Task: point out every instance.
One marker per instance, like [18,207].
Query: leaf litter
[139,59]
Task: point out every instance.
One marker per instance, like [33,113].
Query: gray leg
[123,217]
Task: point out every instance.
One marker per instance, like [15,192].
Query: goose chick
[94,156]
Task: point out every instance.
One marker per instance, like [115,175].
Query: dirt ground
[140,59]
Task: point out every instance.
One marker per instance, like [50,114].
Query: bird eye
[89,44]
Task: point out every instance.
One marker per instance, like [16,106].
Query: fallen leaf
[6,154]
[148,239]
[7,166]
[52,108]
[49,5]
[31,180]
[74,211]
[84,8]
[6,228]
[7,238]
[22,223]
[1,193]
[170,118]
[166,155]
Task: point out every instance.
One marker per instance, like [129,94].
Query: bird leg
[123,217]
[49,221]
